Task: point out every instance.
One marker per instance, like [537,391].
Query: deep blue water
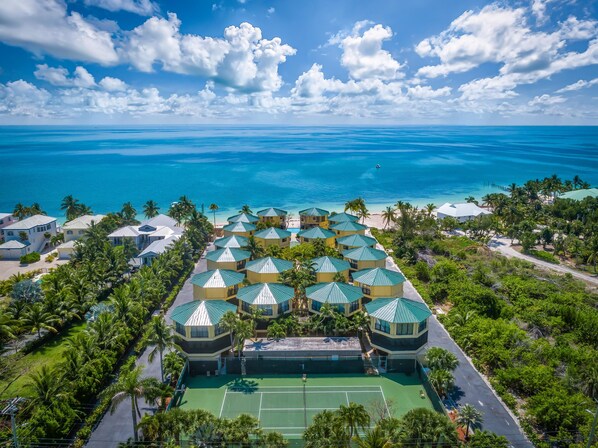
[288,167]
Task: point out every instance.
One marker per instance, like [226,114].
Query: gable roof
[242,217]
[330,264]
[356,240]
[29,223]
[272,211]
[461,210]
[269,265]
[239,227]
[316,233]
[398,310]
[219,278]
[314,211]
[123,232]
[378,277]
[202,313]
[82,222]
[158,247]
[343,217]
[266,294]
[348,226]
[159,220]
[364,253]
[228,254]
[273,233]
[15,244]
[580,195]
[333,293]
[235,241]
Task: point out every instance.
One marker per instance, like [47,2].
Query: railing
[178,391]
[430,391]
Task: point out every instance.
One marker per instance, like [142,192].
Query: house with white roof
[462,212]
[75,229]
[157,248]
[158,228]
[26,236]
[6,219]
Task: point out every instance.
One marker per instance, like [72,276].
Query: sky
[299,62]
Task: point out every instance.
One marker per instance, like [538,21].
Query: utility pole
[11,409]
[591,436]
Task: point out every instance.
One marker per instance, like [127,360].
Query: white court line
[223,400]
[327,387]
[347,396]
[385,403]
[311,392]
[298,409]
[259,412]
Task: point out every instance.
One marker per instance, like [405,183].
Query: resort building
[313,217]
[157,248]
[232,259]
[240,229]
[336,218]
[221,284]
[365,258]
[234,241]
[317,233]
[274,299]
[30,235]
[327,268]
[243,217]
[273,216]
[200,335]
[462,212]
[345,298]
[273,236]
[267,270]
[6,219]
[348,228]
[379,282]
[157,228]
[75,229]
[580,195]
[399,326]
[354,241]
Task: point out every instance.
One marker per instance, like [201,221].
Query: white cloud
[427,92]
[60,76]
[581,84]
[23,98]
[539,10]
[141,7]
[45,27]
[112,84]
[271,10]
[546,100]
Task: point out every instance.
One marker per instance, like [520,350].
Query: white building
[157,228]
[6,219]
[75,229]
[37,229]
[157,248]
[465,211]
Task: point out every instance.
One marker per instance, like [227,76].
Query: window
[404,329]
[354,306]
[353,264]
[383,326]
[10,233]
[340,308]
[219,329]
[366,290]
[246,307]
[199,332]
[1,222]
[266,310]
[284,240]
[240,265]
[316,305]
[283,307]
[81,232]
[232,290]
[69,232]
[422,325]
[180,329]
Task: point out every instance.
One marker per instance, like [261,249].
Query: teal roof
[342,217]
[330,264]
[220,278]
[378,277]
[266,294]
[365,253]
[228,254]
[273,233]
[314,211]
[202,313]
[348,226]
[356,240]
[316,233]
[235,241]
[333,293]
[272,212]
[398,310]
[239,227]
[242,217]
[269,265]
[580,195]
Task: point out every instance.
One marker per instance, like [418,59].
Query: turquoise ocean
[287,167]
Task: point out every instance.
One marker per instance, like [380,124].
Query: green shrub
[543,255]
[33,257]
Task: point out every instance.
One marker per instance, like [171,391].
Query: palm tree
[46,387]
[230,322]
[246,209]
[471,200]
[438,358]
[214,208]
[442,381]
[255,315]
[375,438]
[36,318]
[150,209]
[36,209]
[469,416]
[131,386]
[244,330]
[128,211]
[254,248]
[354,416]
[20,211]
[388,216]
[70,205]
[423,427]
[162,338]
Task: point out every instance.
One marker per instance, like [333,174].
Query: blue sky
[291,62]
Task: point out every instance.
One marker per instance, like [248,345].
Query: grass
[15,373]
[543,255]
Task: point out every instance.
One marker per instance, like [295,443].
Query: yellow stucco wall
[326,277]
[200,293]
[347,306]
[311,221]
[276,221]
[274,310]
[331,242]
[254,277]
[341,233]
[383,291]
[368,264]
[276,242]
[214,265]
[245,234]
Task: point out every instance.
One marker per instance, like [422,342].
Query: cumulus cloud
[112,84]
[141,7]
[546,100]
[581,84]
[58,76]
[23,98]
[427,92]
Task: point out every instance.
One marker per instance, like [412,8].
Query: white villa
[158,228]
[462,212]
[6,219]
[75,229]
[157,248]
[36,229]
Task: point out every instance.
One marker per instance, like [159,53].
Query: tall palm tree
[20,211]
[162,338]
[355,416]
[37,318]
[438,358]
[469,416]
[128,211]
[244,330]
[423,427]
[245,209]
[254,248]
[131,386]
[214,208]
[388,216]
[7,326]
[255,315]
[375,438]
[442,381]
[46,386]
[36,209]
[70,205]
[150,209]
[229,322]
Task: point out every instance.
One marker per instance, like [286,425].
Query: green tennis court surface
[286,404]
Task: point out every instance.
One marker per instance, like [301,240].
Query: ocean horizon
[290,167]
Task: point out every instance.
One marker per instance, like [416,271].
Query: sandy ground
[11,267]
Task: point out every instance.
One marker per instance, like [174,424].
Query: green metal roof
[356,240]
[273,233]
[272,212]
[235,241]
[343,217]
[580,195]
[228,254]
[378,277]
[243,217]
[269,265]
[314,211]
[348,226]
[239,227]
[316,233]
[266,294]
[201,313]
[330,264]
[333,293]
[365,253]
[220,278]
[398,310]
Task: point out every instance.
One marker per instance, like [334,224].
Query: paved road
[503,246]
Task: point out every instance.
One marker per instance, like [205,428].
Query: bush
[422,271]
[543,255]
[50,258]
[33,257]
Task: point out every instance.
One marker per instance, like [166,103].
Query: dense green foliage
[32,257]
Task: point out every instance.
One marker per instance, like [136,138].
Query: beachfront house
[26,236]
[273,299]
[220,284]
[344,298]
[75,229]
[462,212]
[240,229]
[317,233]
[267,270]
[234,241]
[398,326]
[273,236]
[157,248]
[274,217]
[365,258]
[329,267]
[6,219]
[336,218]
[348,228]
[229,258]
[157,228]
[243,217]
[379,282]
[313,217]
[354,241]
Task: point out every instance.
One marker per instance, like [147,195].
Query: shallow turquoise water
[288,167]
